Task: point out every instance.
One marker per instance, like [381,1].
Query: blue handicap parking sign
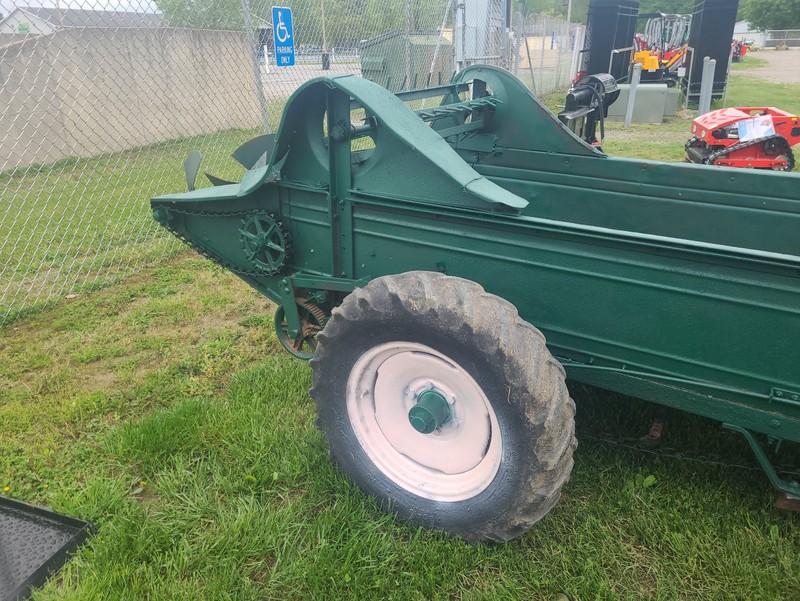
[283,36]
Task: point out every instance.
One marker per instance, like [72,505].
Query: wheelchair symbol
[281,31]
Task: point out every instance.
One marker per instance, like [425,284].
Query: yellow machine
[649,60]
[661,47]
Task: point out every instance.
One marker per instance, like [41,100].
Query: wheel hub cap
[430,413]
[424,421]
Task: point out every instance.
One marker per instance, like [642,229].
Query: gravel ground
[783,66]
[279,83]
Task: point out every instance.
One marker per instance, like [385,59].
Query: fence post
[530,64]
[440,36]
[707,85]
[577,46]
[253,38]
[459,35]
[635,77]
[507,60]
[408,85]
[560,48]
[542,33]
[326,53]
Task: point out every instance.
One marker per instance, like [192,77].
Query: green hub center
[431,412]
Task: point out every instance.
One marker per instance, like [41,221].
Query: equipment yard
[163,409]
[777,66]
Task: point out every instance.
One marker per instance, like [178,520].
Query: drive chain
[200,248]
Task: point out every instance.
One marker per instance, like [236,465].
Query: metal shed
[400,61]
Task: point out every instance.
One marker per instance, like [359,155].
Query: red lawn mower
[754,137]
[739,49]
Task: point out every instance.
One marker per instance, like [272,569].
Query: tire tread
[528,366]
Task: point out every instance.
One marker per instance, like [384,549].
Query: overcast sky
[6,6]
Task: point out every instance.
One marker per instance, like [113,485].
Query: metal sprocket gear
[265,241]
[312,320]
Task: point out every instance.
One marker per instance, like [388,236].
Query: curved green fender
[429,167]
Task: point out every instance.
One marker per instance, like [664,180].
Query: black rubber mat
[34,543]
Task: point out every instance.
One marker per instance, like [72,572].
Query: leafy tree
[670,7]
[580,7]
[203,14]
[771,14]
[557,8]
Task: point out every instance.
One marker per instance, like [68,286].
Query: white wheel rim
[455,462]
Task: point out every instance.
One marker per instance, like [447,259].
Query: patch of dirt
[783,66]
[101,379]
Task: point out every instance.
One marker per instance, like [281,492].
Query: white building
[742,31]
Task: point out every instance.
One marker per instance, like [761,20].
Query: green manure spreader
[448,257]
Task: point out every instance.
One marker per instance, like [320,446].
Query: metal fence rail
[99,108]
[782,37]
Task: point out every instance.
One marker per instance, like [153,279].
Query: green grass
[162,408]
[662,142]
[750,62]
[757,92]
[82,223]
[665,142]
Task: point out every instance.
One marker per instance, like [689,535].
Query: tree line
[761,14]
[346,22]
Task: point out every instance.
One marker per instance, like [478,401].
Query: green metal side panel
[676,283]
[711,325]
[721,206]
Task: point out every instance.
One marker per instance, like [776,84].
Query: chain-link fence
[98,107]
[547,54]
[782,38]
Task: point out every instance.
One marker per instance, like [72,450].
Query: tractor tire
[495,461]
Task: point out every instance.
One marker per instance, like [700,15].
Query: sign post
[283,36]
[259,82]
